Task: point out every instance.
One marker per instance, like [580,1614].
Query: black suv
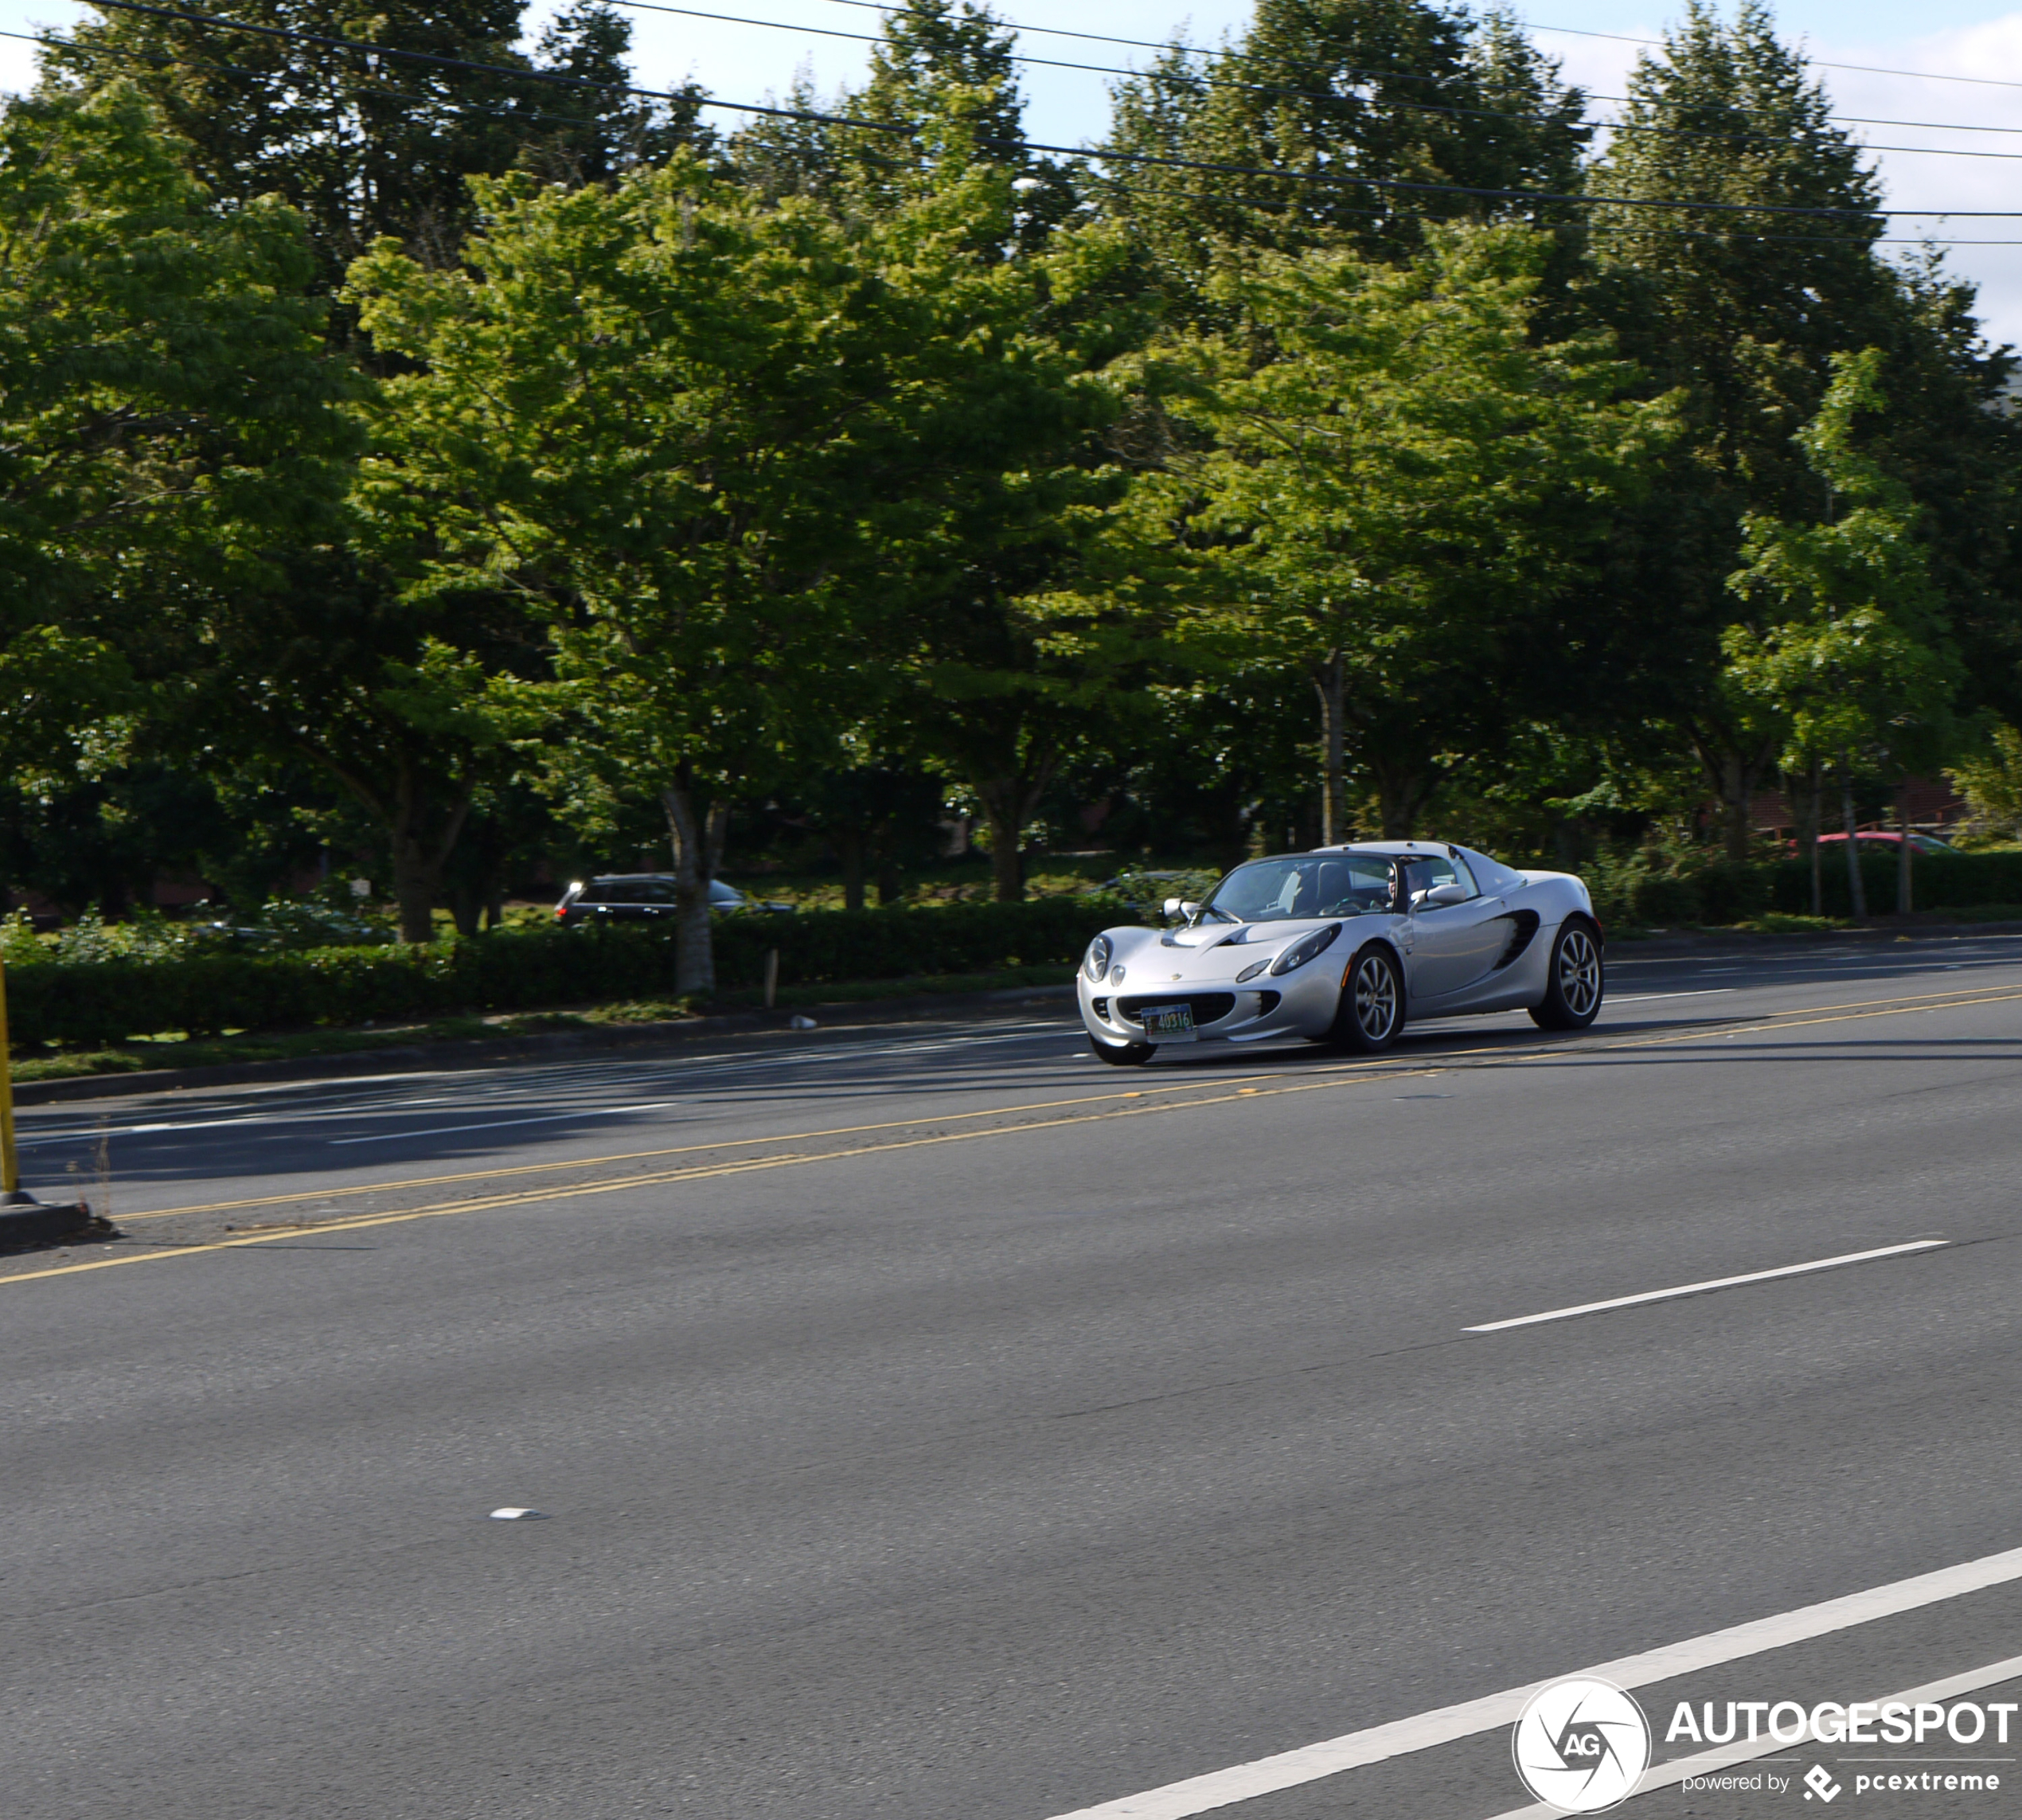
[639,897]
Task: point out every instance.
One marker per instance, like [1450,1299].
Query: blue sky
[1942,38]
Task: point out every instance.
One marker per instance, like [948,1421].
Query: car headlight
[1253,969]
[1306,948]
[1096,962]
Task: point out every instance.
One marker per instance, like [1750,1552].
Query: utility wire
[1212,166]
[1226,53]
[1270,88]
[522,75]
[1117,186]
[479,109]
[1860,69]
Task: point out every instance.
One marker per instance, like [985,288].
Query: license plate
[1170,1023]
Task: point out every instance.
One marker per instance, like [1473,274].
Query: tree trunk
[697,832]
[1402,794]
[1732,772]
[850,849]
[1857,889]
[1808,837]
[419,856]
[1904,857]
[1007,805]
[1330,682]
[1737,790]
[1007,862]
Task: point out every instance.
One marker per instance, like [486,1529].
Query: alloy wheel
[1375,998]
[1579,972]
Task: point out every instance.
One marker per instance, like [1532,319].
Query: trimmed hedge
[1722,893]
[516,970]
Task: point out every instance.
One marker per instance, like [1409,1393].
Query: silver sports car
[1344,944]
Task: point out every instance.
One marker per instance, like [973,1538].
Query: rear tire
[1575,979]
[1121,1055]
[1372,1003]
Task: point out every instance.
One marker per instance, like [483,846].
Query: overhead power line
[1228,54]
[1264,88]
[1210,166]
[1859,68]
[1117,186]
[481,110]
[687,99]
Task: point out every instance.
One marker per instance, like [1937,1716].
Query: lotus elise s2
[1342,946]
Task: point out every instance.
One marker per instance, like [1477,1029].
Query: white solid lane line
[1354,1750]
[1710,1763]
[500,1124]
[1711,1283]
[1697,992]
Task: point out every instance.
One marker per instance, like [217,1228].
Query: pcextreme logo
[1581,1744]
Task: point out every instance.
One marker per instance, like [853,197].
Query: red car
[1882,840]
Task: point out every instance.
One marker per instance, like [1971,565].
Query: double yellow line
[1179,1096]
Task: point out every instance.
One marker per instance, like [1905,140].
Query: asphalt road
[928,1421]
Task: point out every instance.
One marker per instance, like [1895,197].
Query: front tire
[1372,1003]
[1575,981]
[1120,1055]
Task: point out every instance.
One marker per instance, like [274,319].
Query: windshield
[1305,884]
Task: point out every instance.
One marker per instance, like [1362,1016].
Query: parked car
[1882,840]
[646,896]
[1343,945]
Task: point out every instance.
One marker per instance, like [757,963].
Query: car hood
[1153,958]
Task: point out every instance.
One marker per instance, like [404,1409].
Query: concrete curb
[478,1053]
[25,1224]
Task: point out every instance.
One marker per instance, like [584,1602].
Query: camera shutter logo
[1582,1745]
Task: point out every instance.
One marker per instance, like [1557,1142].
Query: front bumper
[1299,1004]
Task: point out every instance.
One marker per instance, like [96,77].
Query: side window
[1428,872]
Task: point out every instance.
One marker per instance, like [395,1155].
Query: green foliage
[1379,501]
[363,150]
[1991,781]
[1850,651]
[165,406]
[835,473]
[1643,891]
[1395,91]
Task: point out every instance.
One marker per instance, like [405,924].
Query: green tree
[371,143]
[168,414]
[1382,505]
[1851,656]
[650,415]
[1394,91]
[1744,312]
[1991,781]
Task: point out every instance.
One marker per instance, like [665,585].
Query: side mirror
[1173,907]
[1189,910]
[1441,895]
